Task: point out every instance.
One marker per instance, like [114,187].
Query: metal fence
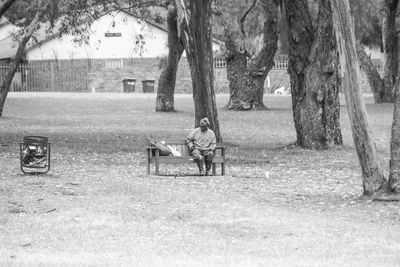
[281,62]
[74,75]
[49,76]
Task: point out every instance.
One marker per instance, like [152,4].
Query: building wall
[113,36]
[106,75]
[375,52]
[6,30]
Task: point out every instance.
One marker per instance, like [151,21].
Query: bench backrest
[181,146]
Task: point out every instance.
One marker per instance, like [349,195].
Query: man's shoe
[208,169]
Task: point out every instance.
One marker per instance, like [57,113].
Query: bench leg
[213,169]
[148,161]
[222,169]
[157,168]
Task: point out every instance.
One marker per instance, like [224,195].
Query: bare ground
[96,207]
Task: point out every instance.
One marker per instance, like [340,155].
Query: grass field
[278,205]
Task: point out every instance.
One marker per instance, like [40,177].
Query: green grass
[278,205]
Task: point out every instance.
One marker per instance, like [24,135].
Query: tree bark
[5,6]
[196,32]
[319,109]
[374,79]
[236,67]
[166,83]
[313,76]
[5,85]
[246,78]
[372,174]
[394,176]
[300,37]
[390,48]
[383,88]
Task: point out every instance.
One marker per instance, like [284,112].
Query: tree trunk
[313,76]
[319,109]
[390,48]
[236,67]
[372,174]
[300,37]
[374,79]
[383,88]
[394,177]
[196,33]
[166,83]
[5,85]
[246,79]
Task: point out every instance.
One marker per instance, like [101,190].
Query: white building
[117,35]
[7,47]
[112,36]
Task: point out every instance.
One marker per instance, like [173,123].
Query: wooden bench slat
[170,159]
[186,159]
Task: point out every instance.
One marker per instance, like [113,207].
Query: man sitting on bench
[202,142]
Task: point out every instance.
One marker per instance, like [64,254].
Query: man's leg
[199,159]
[208,156]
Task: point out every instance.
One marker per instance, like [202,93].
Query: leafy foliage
[75,17]
[367,17]
[232,11]
[368,21]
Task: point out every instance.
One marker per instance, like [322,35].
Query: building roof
[56,32]
[8,48]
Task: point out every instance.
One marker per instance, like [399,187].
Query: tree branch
[6,5]
[241,21]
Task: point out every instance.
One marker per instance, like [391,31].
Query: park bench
[153,156]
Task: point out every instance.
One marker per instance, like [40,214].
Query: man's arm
[190,139]
[213,143]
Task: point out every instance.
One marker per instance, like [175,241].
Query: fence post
[52,76]
[87,76]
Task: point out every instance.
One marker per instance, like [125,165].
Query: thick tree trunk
[374,79]
[372,174]
[390,48]
[300,37]
[319,113]
[5,85]
[166,83]
[246,79]
[236,66]
[394,177]
[196,33]
[313,76]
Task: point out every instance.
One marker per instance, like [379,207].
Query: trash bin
[129,85]
[35,155]
[148,86]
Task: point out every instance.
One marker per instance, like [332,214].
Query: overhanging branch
[241,21]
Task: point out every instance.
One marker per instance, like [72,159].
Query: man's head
[204,124]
